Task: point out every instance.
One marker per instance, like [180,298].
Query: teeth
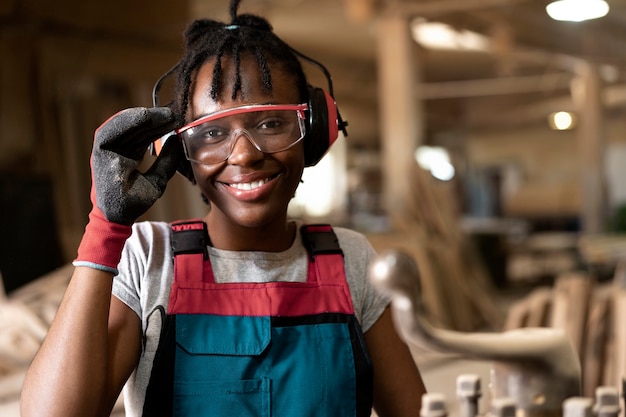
[246,186]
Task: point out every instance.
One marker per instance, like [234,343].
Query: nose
[244,151]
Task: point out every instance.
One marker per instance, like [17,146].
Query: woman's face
[250,188]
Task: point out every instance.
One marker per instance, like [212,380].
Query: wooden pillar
[400,113]
[587,96]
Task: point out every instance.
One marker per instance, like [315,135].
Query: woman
[257,315]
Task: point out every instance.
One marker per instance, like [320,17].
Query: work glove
[120,193]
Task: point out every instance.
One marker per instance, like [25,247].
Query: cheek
[295,156]
[294,160]
[202,173]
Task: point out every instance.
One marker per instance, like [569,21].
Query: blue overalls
[276,349]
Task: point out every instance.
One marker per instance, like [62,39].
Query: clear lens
[210,140]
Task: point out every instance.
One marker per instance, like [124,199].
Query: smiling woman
[258,314]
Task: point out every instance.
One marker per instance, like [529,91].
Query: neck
[268,238]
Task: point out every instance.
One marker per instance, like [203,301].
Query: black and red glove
[120,193]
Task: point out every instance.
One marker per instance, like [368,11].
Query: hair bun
[252,21]
[198,28]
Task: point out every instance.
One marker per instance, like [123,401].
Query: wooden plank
[459,301]
[517,316]
[425,255]
[572,294]
[540,304]
[596,352]
[618,328]
[531,311]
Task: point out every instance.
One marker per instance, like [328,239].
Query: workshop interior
[485,159]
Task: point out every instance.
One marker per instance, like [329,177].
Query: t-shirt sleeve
[126,282]
[369,303]
[133,266]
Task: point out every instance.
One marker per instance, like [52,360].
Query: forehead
[251,91]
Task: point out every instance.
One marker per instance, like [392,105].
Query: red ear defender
[333,118]
[323,125]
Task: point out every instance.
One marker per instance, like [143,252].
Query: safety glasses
[270,128]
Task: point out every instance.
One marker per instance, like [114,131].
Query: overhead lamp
[577,10]
[437,35]
[436,160]
[562,120]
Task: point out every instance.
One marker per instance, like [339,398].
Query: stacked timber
[457,291]
[591,313]
[25,317]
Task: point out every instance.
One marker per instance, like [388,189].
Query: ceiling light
[562,120]
[436,35]
[436,160]
[577,10]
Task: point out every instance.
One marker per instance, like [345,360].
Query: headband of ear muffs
[322,125]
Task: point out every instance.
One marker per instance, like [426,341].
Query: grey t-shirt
[146,274]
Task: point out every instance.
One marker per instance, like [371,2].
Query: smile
[247,186]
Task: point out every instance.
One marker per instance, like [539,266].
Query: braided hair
[246,33]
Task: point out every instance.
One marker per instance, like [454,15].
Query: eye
[271,123]
[211,134]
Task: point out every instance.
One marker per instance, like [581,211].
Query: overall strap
[325,255]
[189,240]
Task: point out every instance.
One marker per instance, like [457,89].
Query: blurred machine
[536,372]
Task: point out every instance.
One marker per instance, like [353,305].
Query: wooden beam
[400,112]
[495,86]
[436,7]
[587,96]
[359,11]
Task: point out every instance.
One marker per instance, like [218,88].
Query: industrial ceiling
[525,73]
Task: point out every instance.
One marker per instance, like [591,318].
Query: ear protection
[322,125]
[324,121]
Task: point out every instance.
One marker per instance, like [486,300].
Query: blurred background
[485,137]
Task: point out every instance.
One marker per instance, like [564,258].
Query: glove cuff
[102,243]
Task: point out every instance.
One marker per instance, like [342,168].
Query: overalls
[279,349]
